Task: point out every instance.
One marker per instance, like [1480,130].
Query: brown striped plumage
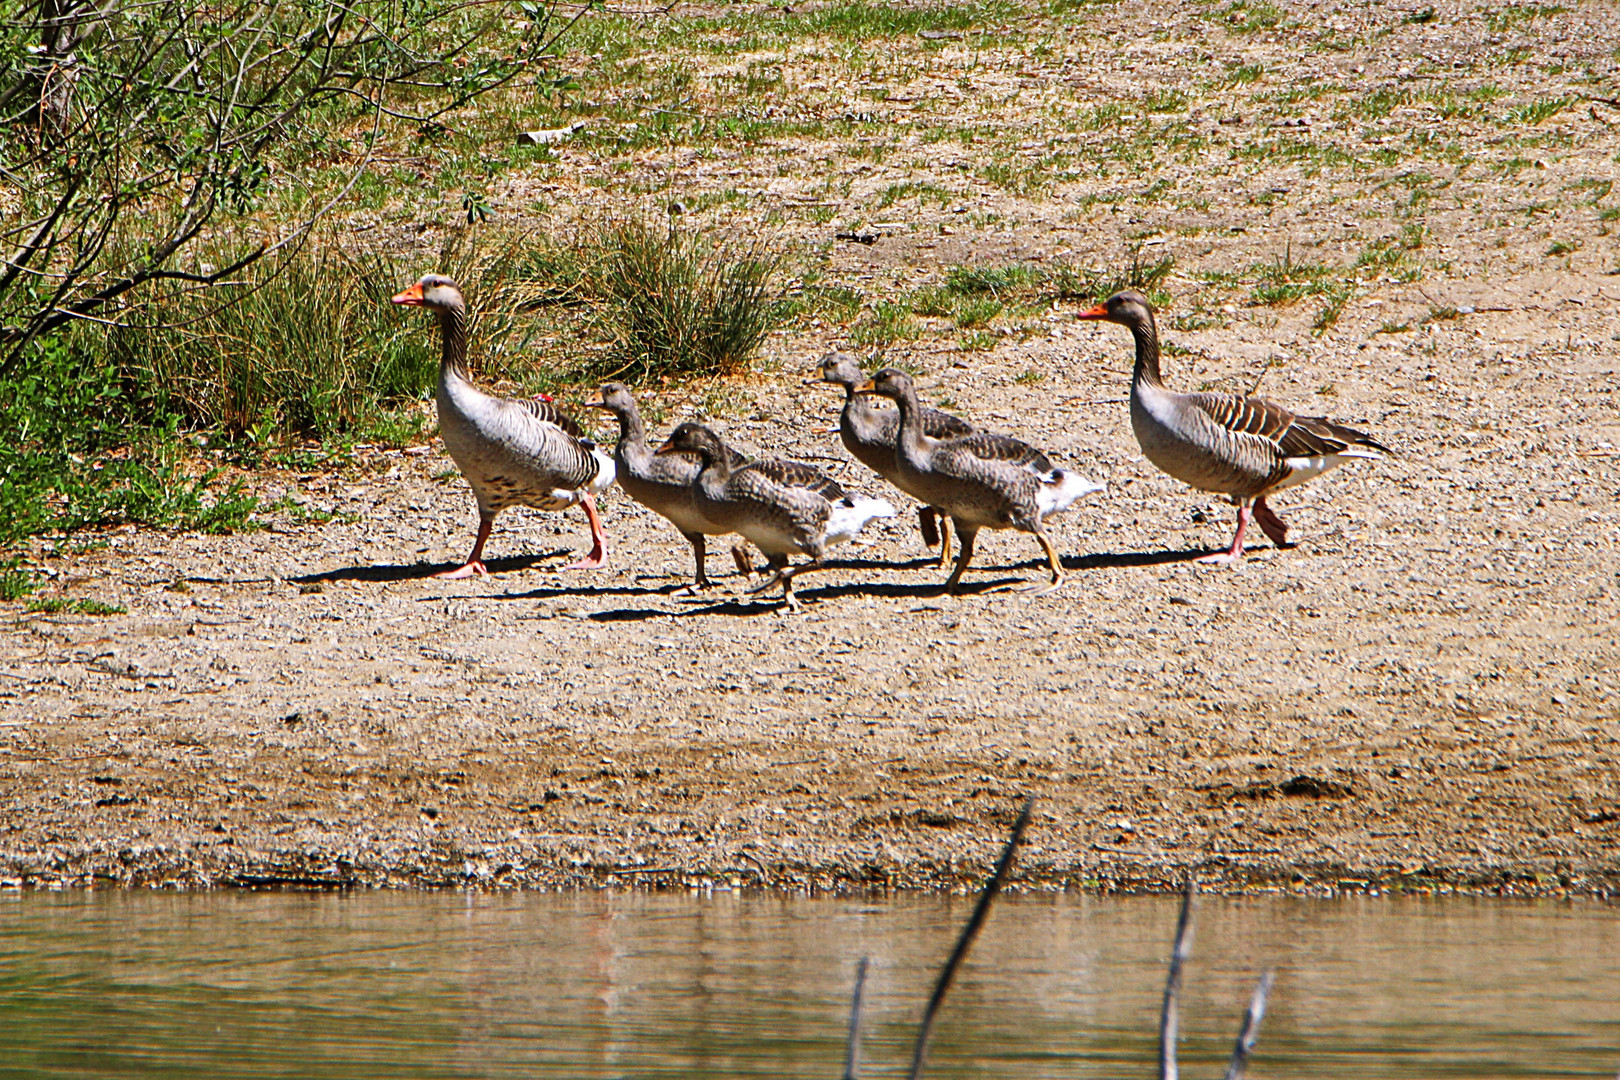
[982,480]
[869,434]
[784,507]
[513,452]
[1239,446]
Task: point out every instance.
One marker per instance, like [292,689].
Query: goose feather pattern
[512,452]
[1244,447]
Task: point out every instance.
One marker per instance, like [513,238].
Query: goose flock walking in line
[529,452]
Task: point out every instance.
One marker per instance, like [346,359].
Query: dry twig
[1251,1029]
[1169,1019]
[997,878]
[852,1054]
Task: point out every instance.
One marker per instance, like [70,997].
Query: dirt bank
[1423,694]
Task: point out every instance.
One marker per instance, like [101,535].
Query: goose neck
[1147,353]
[632,433]
[453,329]
[911,434]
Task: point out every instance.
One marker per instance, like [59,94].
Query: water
[596,986]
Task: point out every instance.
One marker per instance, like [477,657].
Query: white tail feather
[849,518]
[1062,490]
[606,472]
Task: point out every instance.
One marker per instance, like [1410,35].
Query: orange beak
[411,297]
[595,401]
[667,448]
[1098,312]
[867,387]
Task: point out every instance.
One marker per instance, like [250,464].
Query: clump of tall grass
[1145,276]
[309,346]
[677,304]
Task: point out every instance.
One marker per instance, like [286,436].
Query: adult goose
[982,480]
[512,452]
[783,507]
[1242,447]
[869,435]
[664,483]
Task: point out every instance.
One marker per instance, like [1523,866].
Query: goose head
[1128,308]
[890,383]
[692,438]
[614,398]
[433,291]
[840,369]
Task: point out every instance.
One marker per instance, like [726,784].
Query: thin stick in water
[1169,1019]
[1251,1029]
[852,1054]
[969,932]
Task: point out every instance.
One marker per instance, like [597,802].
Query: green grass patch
[887,323]
[923,192]
[1327,316]
[681,304]
[864,21]
[1284,281]
[1537,111]
[1246,16]
[78,449]
[65,605]
[1503,19]
[15,582]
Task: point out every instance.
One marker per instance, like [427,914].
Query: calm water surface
[606,986]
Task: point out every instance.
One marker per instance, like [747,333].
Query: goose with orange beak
[512,452]
[1245,448]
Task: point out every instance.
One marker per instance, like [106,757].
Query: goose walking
[664,483]
[982,480]
[869,435]
[1245,448]
[512,452]
[783,507]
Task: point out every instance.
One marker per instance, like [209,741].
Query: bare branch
[1169,1018]
[998,878]
[853,1052]
[1251,1029]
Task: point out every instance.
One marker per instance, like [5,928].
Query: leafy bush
[76,451]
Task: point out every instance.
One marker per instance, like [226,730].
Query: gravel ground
[1423,694]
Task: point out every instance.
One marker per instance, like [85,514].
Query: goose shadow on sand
[768,601]
[1105,560]
[383,572]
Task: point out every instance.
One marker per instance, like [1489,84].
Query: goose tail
[852,514]
[1062,489]
[606,470]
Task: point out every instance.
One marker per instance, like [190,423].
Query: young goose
[981,480]
[869,435]
[513,453]
[665,484]
[783,506]
[1242,447]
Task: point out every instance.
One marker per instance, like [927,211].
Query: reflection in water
[598,986]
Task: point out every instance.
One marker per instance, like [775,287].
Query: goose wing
[797,475]
[1002,451]
[1293,436]
[942,425]
[544,409]
[564,460]
[1314,436]
[1244,415]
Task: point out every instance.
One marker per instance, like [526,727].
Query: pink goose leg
[598,556]
[1270,524]
[1235,552]
[475,561]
